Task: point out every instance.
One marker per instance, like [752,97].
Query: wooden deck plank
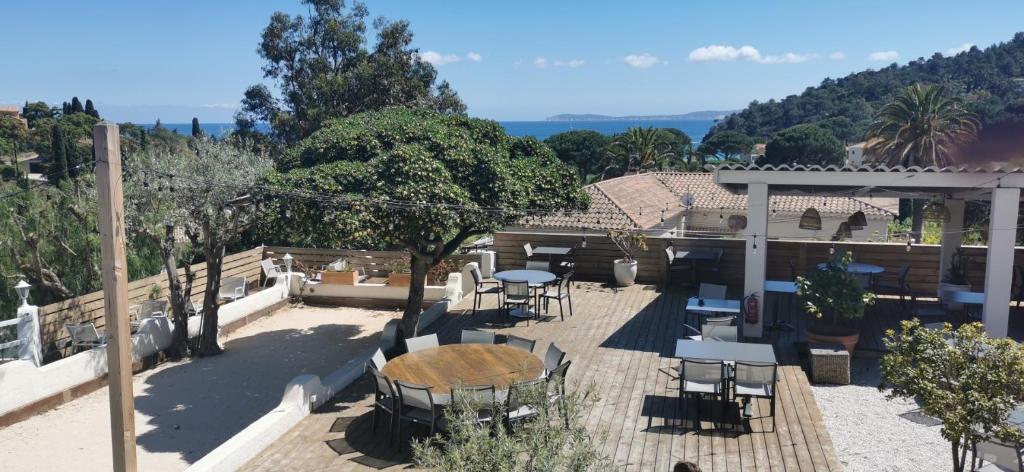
[619,342]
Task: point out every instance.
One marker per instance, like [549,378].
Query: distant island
[694,115]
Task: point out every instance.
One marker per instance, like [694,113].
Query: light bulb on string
[909,246]
[754,248]
[832,250]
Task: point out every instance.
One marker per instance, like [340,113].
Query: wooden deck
[620,342]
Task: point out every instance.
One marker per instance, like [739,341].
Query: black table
[725,351]
[551,251]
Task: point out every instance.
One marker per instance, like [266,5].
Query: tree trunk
[208,333]
[414,304]
[179,341]
[958,462]
[917,220]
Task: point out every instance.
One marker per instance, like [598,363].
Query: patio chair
[560,292]
[84,336]
[421,342]
[553,357]
[676,266]
[755,380]
[191,308]
[999,456]
[482,287]
[715,267]
[151,308]
[233,288]
[521,406]
[888,285]
[709,292]
[384,399]
[472,336]
[699,378]
[521,343]
[538,265]
[517,294]
[389,337]
[477,397]
[529,250]
[557,377]
[715,329]
[377,361]
[270,270]
[416,405]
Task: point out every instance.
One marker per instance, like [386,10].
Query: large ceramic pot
[625,272]
[849,341]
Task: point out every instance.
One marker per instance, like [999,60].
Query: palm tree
[639,149]
[920,127]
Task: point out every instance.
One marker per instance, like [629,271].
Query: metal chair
[755,380]
[716,265]
[520,343]
[416,405]
[151,308]
[480,398]
[895,286]
[378,360]
[384,399]
[553,357]
[529,250]
[420,343]
[483,287]
[521,405]
[710,292]
[270,270]
[472,336]
[561,292]
[557,378]
[699,378]
[538,265]
[714,332]
[517,294]
[84,336]
[1000,457]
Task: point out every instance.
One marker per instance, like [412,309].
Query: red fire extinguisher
[750,306]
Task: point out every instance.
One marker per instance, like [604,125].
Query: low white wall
[431,293]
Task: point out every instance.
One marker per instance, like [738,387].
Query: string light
[832,250]
[908,244]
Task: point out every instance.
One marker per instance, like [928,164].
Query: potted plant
[438,274]
[837,300]
[955,278]
[628,241]
[340,272]
[399,274]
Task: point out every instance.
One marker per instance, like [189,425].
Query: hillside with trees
[990,80]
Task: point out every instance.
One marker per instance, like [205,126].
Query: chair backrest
[520,392]
[475,396]
[517,289]
[230,285]
[557,376]
[756,373]
[389,338]
[671,253]
[538,265]
[269,269]
[700,370]
[1005,456]
[719,252]
[903,275]
[382,383]
[712,291]
[149,308]
[474,271]
[720,332]
[421,342]
[521,343]
[190,305]
[563,283]
[553,358]
[792,270]
[529,249]
[82,332]
[378,360]
[472,336]
[720,321]
[415,395]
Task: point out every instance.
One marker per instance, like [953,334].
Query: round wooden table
[466,364]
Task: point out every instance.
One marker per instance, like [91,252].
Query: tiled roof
[993,168]
[638,201]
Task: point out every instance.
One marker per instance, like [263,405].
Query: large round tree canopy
[376,179]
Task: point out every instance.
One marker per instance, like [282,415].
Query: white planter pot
[947,287]
[625,272]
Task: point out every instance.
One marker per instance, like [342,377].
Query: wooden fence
[594,262]
[89,307]
[376,263]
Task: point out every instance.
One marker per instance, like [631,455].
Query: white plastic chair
[270,270]
[232,288]
[421,342]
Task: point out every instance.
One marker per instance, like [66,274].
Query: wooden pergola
[1001,187]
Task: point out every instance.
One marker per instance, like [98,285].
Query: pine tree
[90,109]
[65,109]
[143,139]
[197,132]
[59,158]
[158,126]
[76,106]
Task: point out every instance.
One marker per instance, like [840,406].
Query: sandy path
[186,409]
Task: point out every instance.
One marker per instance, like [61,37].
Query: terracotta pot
[848,341]
[400,279]
[625,272]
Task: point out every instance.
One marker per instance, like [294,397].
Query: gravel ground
[871,433]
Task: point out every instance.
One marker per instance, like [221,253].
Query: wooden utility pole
[107,143]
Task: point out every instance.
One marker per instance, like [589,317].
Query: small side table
[830,364]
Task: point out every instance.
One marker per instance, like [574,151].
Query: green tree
[76,106]
[921,127]
[681,146]
[90,109]
[197,132]
[968,381]
[639,149]
[727,146]
[58,168]
[323,70]
[582,149]
[12,134]
[804,144]
[416,179]
[35,111]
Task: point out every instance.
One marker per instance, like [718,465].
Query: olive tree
[968,381]
[416,179]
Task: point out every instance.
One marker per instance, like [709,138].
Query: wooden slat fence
[89,307]
[376,263]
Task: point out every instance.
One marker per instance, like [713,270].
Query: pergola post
[756,250]
[999,260]
[952,235]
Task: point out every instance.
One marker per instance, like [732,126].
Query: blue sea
[695,129]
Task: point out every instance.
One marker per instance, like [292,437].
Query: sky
[522,60]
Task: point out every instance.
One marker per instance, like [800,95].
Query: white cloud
[540,63]
[641,61]
[571,63]
[837,56]
[717,52]
[474,56]
[439,59]
[884,56]
[957,50]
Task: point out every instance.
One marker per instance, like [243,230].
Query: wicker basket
[830,364]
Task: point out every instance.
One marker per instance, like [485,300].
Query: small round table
[536,279]
[467,364]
